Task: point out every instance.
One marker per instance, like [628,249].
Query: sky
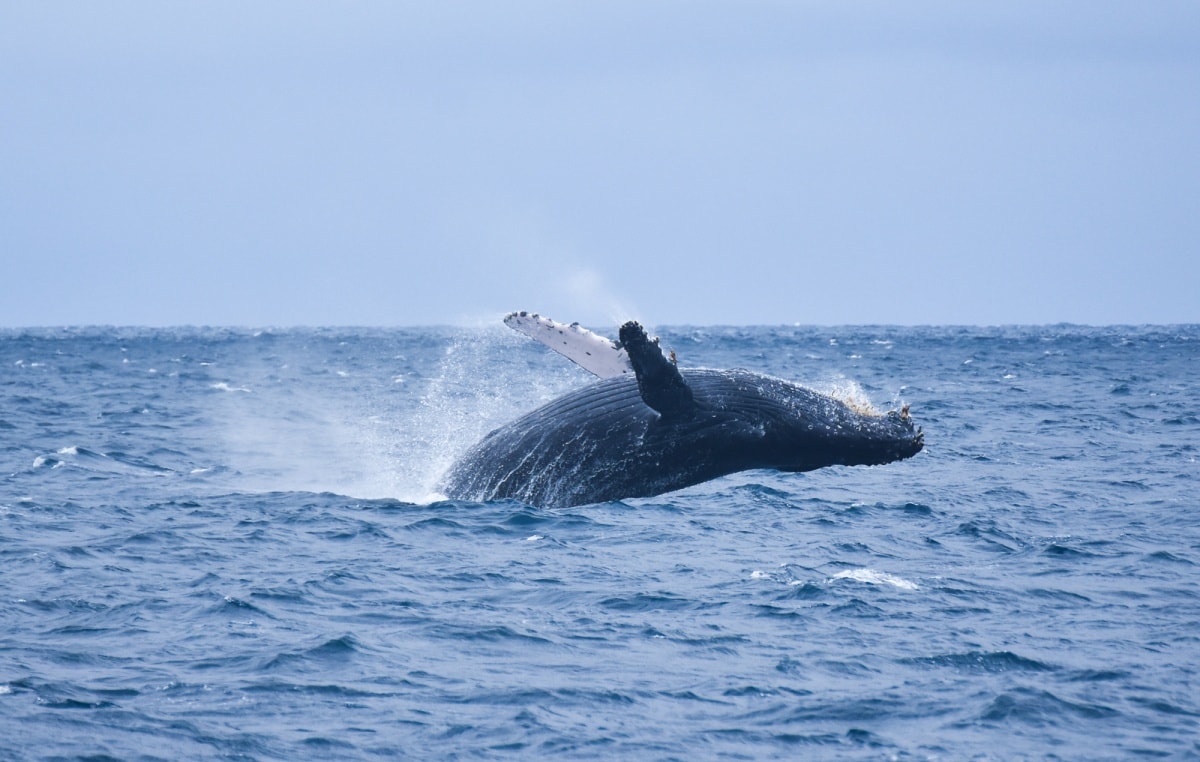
[287,163]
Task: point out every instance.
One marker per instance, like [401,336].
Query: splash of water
[371,434]
[852,395]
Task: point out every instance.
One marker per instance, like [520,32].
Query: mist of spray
[590,295]
[386,435]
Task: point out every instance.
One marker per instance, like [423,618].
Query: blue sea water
[227,544]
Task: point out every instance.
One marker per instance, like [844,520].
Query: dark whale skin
[604,442]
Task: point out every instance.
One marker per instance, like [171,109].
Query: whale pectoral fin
[588,350]
[659,381]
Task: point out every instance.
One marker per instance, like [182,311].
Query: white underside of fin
[590,351]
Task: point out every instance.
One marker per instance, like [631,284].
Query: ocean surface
[227,544]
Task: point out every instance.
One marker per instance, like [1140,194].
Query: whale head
[800,429]
[829,432]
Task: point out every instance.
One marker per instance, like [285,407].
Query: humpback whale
[649,427]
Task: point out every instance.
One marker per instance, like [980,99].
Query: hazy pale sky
[390,163]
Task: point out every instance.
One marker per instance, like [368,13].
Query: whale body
[667,428]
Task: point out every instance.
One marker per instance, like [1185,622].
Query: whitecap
[873,577]
[224,387]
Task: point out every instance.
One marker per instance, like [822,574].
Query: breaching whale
[649,427]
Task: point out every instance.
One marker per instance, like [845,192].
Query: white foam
[224,387]
[873,577]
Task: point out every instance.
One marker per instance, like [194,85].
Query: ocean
[227,544]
